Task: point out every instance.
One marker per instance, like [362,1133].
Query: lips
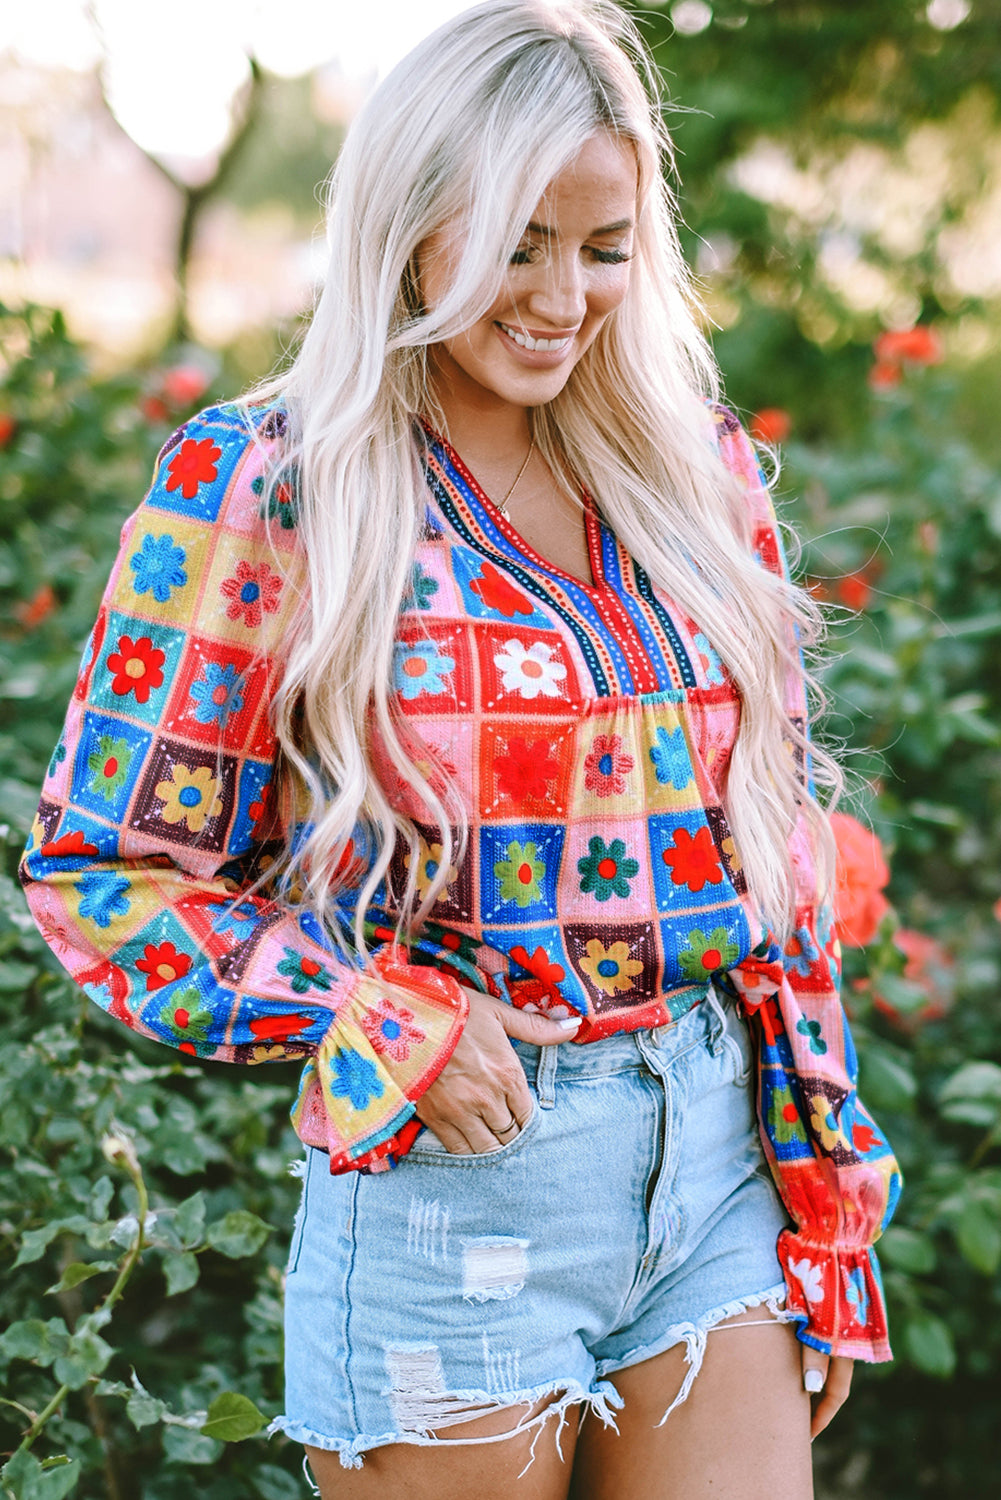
[540,345]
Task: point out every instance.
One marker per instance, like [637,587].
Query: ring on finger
[499,1130]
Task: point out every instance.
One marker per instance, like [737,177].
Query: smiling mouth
[526,341]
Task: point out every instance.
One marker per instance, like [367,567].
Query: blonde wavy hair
[471,127]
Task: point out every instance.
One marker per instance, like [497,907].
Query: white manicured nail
[813,1381]
[571,1023]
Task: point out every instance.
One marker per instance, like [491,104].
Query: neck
[481,427]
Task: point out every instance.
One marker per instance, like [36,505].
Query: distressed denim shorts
[633,1212]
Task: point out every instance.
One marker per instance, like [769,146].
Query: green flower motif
[282,502]
[606,870]
[58,756]
[812,1029]
[705,955]
[109,765]
[304,972]
[184,1016]
[784,1122]
[421,591]
[520,874]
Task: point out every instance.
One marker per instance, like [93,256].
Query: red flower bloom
[154,409]
[527,769]
[930,967]
[859,903]
[881,376]
[183,385]
[855,590]
[8,427]
[497,592]
[771,425]
[606,766]
[251,591]
[193,465]
[694,861]
[162,965]
[540,964]
[68,844]
[916,346]
[136,665]
[31,612]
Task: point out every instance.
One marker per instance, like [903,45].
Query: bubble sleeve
[159,810]
[833,1167]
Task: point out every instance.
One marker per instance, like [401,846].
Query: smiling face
[568,275]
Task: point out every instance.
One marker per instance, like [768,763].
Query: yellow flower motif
[733,858]
[825,1126]
[428,865]
[610,968]
[190,796]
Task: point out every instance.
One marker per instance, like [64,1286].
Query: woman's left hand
[830,1392]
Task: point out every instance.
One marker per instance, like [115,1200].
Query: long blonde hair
[473,125]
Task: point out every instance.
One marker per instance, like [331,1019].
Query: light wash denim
[633,1212]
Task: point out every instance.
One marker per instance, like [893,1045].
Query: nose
[558,295]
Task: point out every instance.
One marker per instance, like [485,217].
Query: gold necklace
[502,507]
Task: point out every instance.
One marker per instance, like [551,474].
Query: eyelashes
[523,256]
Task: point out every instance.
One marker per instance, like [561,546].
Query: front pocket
[429,1149]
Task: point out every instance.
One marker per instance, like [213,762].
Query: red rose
[859,903]
[770,425]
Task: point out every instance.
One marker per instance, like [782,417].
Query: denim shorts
[632,1212]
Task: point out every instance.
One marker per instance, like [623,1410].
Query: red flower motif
[527,768]
[540,964]
[607,766]
[162,965]
[694,861]
[253,592]
[864,1138]
[497,592]
[392,1029]
[136,665]
[194,464]
[67,845]
[278,1028]
[770,425]
[859,903]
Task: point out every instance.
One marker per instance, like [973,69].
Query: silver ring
[503,1129]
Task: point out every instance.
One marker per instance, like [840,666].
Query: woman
[491,798]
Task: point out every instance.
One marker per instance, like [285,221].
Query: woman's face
[568,275]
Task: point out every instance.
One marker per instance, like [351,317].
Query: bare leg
[742,1434]
[486,1471]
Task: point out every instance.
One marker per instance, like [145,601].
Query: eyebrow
[548,233]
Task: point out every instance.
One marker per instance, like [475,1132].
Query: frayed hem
[695,1336]
[601,1402]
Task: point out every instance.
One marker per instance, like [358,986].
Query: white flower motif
[809,1277]
[530,672]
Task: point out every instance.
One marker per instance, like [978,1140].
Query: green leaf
[238,1233]
[974,1080]
[35,1242]
[888,1083]
[183,1446]
[143,1410]
[26,1479]
[58,1481]
[189,1220]
[928,1343]
[272,1483]
[907,1250]
[978,1235]
[86,1355]
[33,1339]
[180,1272]
[80,1271]
[232,1417]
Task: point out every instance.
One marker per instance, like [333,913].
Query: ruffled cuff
[839,1295]
[381,1052]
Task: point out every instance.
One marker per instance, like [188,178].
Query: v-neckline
[592,527]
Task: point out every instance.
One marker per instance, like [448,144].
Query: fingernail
[813,1381]
[570,1024]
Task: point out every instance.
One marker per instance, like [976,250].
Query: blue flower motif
[858,1296]
[159,567]
[216,694]
[103,897]
[420,668]
[355,1078]
[714,662]
[670,758]
[801,953]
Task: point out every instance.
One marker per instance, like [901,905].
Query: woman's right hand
[480,1099]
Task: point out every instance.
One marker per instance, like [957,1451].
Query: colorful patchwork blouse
[587,728]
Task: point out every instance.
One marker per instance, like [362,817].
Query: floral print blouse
[587,727]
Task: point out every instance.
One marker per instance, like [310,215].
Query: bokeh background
[840,171]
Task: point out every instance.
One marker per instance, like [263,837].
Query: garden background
[841,184]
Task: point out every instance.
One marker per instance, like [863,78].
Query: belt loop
[718,1024]
[545,1076]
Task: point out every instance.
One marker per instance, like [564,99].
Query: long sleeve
[159,803]
[833,1167]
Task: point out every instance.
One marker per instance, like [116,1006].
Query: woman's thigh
[743,1432]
